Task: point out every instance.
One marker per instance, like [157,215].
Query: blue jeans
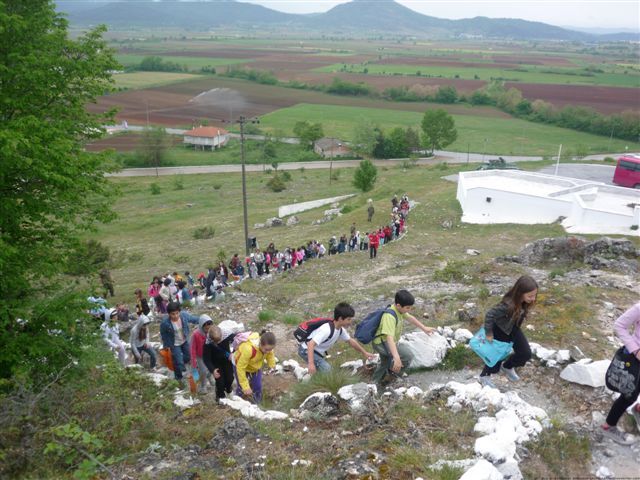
[181,356]
[318,360]
[151,352]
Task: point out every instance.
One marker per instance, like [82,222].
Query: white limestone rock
[563,356]
[586,372]
[290,365]
[359,396]
[229,327]
[156,378]
[425,350]
[322,404]
[248,409]
[183,402]
[510,470]
[485,425]
[354,365]
[482,470]
[462,335]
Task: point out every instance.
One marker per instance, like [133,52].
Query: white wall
[286,210]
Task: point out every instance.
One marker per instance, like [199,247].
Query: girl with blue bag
[503,329]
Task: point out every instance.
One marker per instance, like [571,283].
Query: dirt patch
[603,99]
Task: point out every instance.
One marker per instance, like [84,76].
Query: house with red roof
[206,138]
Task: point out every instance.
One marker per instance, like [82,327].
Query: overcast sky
[587,14]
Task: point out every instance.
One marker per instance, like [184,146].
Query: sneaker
[510,373]
[485,381]
[616,435]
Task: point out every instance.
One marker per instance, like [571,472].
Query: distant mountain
[364,17]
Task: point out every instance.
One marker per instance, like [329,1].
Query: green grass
[138,80]
[230,154]
[531,73]
[503,136]
[192,63]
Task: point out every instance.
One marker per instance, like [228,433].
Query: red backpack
[307,327]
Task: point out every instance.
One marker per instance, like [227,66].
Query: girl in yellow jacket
[249,358]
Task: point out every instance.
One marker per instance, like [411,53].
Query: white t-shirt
[323,338]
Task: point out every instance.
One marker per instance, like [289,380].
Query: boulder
[258,225]
[586,372]
[468,313]
[274,222]
[354,365]
[320,404]
[560,251]
[292,220]
[233,429]
[473,252]
[482,470]
[331,212]
[362,465]
[360,396]
[510,470]
[462,335]
[425,350]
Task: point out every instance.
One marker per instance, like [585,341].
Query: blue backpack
[366,329]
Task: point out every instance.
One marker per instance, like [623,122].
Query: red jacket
[197,347]
[374,240]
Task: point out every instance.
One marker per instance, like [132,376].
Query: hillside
[363,17]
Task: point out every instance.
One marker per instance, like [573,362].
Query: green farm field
[138,80]
[529,74]
[192,63]
[503,136]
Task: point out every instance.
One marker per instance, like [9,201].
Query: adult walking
[627,329]
[504,323]
[370,210]
[374,241]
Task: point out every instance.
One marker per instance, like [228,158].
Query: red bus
[627,172]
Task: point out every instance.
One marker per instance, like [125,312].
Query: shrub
[286,176]
[276,184]
[155,189]
[203,233]
[266,315]
[291,319]
[459,357]
[452,272]
[347,209]
[364,178]
[217,186]
[178,183]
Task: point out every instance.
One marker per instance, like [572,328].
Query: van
[627,172]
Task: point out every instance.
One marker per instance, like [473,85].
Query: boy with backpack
[388,333]
[217,358]
[318,335]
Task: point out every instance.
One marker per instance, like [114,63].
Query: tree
[439,129]
[308,133]
[365,137]
[154,146]
[51,189]
[413,140]
[364,178]
[446,94]
[397,146]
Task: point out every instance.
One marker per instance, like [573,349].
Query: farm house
[331,148]
[206,137]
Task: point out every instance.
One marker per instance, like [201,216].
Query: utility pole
[558,160]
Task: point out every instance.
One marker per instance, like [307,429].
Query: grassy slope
[503,136]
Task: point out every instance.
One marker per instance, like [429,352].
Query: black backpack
[307,327]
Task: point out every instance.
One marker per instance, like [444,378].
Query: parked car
[498,164]
[627,173]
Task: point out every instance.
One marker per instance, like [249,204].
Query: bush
[452,272]
[286,176]
[266,315]
[217,186]
[155,189]
[178,183]
[203,233]
[347,209]
[459,357]
[364,178]
[276,184]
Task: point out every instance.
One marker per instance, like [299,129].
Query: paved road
[440,156]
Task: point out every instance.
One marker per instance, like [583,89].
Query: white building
[206,137]
[512,196]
